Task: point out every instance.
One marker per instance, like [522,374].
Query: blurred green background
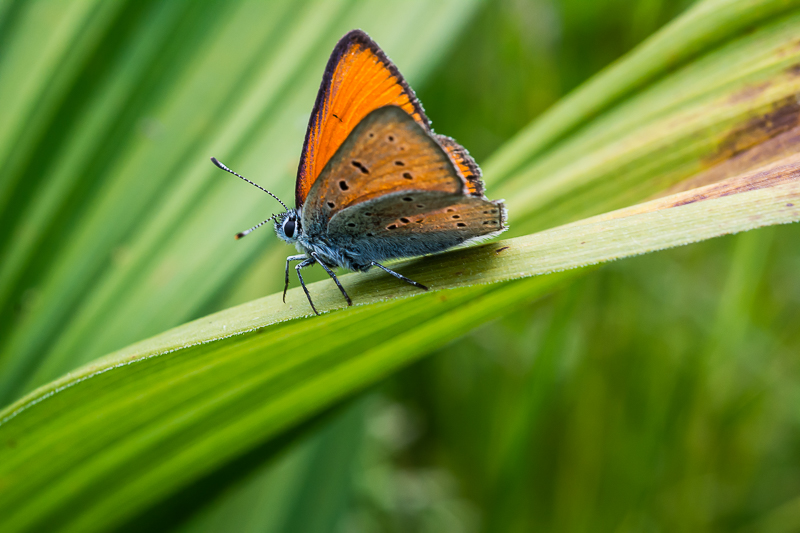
[655,394]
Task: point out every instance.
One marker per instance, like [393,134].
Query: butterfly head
[287,225]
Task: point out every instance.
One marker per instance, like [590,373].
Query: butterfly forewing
[358,79]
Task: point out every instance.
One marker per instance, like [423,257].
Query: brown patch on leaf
[785,171]
[794,70]
[774,149]
[784,115]
[501,249]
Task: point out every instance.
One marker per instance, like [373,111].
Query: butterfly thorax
[288,226]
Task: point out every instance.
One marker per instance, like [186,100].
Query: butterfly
[375,183]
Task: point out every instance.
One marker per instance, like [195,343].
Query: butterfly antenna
[245,232]
[226,169]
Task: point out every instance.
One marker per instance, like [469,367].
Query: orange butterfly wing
[358,79]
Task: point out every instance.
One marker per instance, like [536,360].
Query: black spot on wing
[360,166]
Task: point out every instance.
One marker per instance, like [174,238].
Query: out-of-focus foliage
[541,50]
[652,395]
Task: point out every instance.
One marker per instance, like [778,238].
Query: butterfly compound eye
[288,227]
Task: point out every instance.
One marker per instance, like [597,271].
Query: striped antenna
[226,169]
[245,232]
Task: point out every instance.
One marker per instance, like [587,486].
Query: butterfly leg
[307,262]
[399,276]
[332,275]
[289,259]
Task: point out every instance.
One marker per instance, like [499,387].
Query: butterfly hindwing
[464,162]
[389,228]
[358,79]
